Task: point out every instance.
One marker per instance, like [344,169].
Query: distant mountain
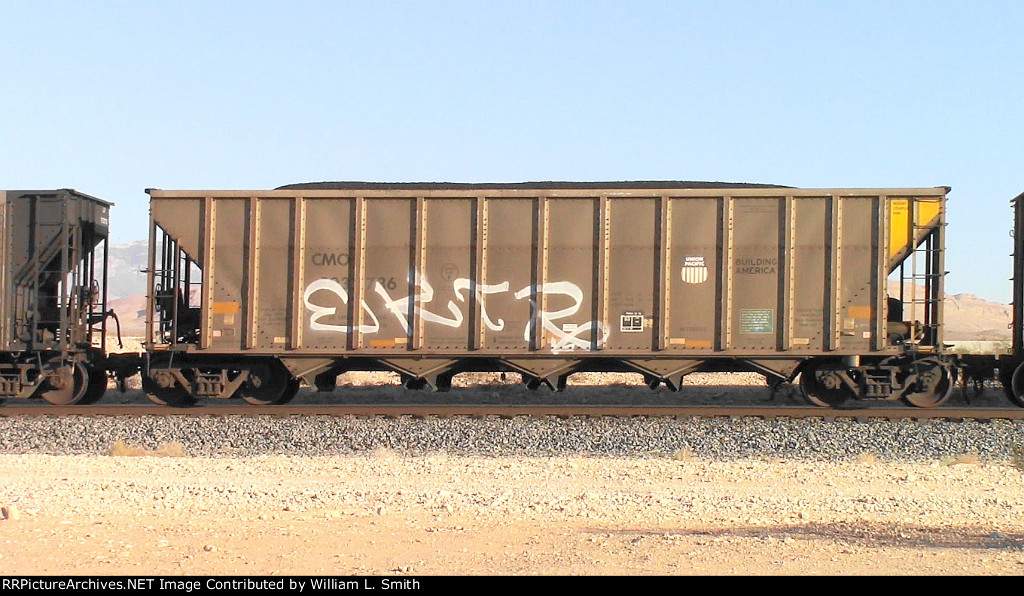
[967,317]
[125,262]
[131,314]
[971,318]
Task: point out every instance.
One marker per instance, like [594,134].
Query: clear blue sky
[114,97]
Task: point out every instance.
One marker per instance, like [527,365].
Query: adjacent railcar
[252,290]
[1011,366]
[53,302]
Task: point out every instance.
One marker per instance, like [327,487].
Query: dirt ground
[170,513]
[388,515]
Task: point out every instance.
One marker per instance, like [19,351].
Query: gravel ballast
[720,438]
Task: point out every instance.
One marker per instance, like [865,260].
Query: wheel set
[923,383]
[262,383]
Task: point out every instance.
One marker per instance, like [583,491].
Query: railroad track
[560,410]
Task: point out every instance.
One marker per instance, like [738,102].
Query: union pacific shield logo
[694,270]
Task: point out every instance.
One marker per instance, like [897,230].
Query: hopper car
[252,291]
[53,302]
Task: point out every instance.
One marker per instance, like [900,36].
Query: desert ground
[132,510]
[162,512]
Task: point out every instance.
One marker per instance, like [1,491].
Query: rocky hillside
[971,318]
[126,262]
[968,317]
[131,314]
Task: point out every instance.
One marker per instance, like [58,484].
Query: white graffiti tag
[564,338]
[320,312]
[400,307]
[462,284]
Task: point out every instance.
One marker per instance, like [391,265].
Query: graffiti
[568,337]
[561,339]
[462,284]
[399,308]
[320,312]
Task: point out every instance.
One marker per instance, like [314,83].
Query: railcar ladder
[174,279]
[923,306]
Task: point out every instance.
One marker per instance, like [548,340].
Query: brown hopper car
[253,290]
[53,309]
[1011,367]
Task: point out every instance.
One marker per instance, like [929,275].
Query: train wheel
[97,386]
[269,385]
[822,387]
[289,392]
[166,392]
[65,384]
[1006,380]
[1015,388]
[935,381]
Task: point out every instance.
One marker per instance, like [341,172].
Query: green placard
[760,320]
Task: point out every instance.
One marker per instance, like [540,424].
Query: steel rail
[504,411]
